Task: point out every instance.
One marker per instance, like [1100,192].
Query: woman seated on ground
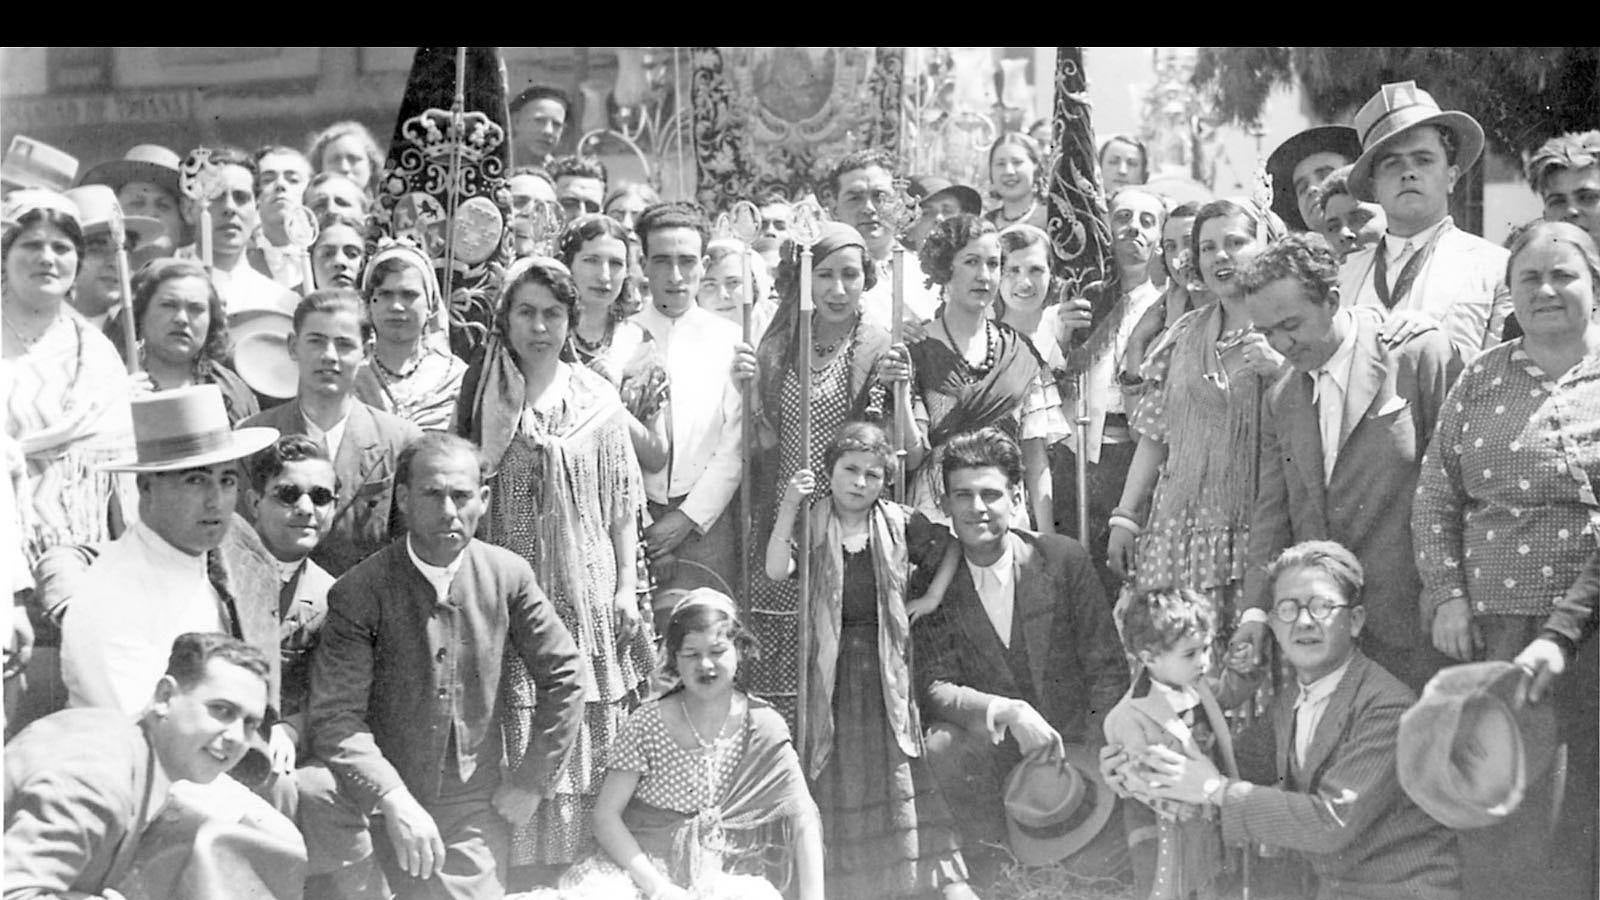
[704,797]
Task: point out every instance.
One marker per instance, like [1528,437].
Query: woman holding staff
[842,355]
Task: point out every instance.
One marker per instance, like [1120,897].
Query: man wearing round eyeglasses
[580,185]
[292,494]
[1334,795]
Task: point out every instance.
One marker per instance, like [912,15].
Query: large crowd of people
[701,579]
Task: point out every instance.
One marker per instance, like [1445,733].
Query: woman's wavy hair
[1264,222]
[60,221]
[337,130]
[938,253]
[157,272]
[586,228]
[554,278]
[1566,233]
[1030,147]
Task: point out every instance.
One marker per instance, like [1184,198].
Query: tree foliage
[1521,95]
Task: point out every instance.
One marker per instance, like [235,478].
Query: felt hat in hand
[1053,810]
[1469,748]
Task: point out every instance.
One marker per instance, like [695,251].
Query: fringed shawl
[750,829]
[890,563]
[1213,422]
[988,400]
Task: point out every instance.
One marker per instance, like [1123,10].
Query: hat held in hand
[1053,810]
[1472,744]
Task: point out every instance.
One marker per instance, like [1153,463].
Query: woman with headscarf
[842,359]
[1194,470]
[410,371]
[66,389]
[567,493]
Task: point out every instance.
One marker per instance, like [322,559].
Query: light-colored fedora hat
[186,428]
[1053,810]
[261,353]
[31,163]
[1396,108]
[97,207]
[1468,749]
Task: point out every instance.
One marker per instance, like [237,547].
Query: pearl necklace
[706,745]
[404,372]
[1012,220]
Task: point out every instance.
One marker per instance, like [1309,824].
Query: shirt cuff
[1253,614]
[997,733]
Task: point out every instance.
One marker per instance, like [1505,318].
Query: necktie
[1329,399]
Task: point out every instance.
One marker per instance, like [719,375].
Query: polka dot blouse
[1506,511]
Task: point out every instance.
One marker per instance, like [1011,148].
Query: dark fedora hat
[1340,139]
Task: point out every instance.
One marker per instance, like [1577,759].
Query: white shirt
[244,290]
[438,576]
[331,438]
[1397,250]
[704,412]
[1309,707]
[997,592]
[877,305]
[130,606]
[1329,385]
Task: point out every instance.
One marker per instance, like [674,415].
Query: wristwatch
[1215,789]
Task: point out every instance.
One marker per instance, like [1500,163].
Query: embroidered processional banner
[779,117]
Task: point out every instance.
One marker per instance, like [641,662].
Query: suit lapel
[1032,606]
[1369,380]
[974,620]
[1334,718]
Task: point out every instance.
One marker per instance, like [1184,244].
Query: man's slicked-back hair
[540,92]
[1303,256]
[985,448]
[674,214]
[578,167]
[329,300]
[194,650]
[439,443]
[1573,150]
[269,462]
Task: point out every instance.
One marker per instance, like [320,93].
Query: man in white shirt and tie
[1022,655]
[1425,271]
[689,496]
[1342,437]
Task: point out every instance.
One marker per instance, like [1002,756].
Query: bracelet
[1122,513]
[1126,523]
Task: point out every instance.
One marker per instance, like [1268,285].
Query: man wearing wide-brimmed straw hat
[187,565]
[1425,271]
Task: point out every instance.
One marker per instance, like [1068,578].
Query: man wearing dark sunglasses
[580,185]
[293,491]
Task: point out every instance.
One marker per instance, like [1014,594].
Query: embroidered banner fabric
[779,117]
[1076,218]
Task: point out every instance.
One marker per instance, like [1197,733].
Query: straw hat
[97,207]
[261,353]
[187,428]
[30,163]
[1396,108]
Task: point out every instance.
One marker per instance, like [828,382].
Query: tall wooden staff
[458,121]
[806,230]
[119,239]
[744,223]
[897,212]
[1080,239]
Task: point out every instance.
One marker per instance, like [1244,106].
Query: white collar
[1180,699]
[438,576]
[288,569]
[1320,690]
[1393,244]
[1000,568]
[163,555]
[1338,365]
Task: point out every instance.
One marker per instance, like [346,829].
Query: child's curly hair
[938,253]
[1157,620]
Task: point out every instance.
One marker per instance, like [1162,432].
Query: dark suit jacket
[394,673]
[367,517]
[1391,406]
[77,782]
[1073,650]
[1363,836]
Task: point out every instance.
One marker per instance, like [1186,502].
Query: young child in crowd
[1172,703]
[886,828]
